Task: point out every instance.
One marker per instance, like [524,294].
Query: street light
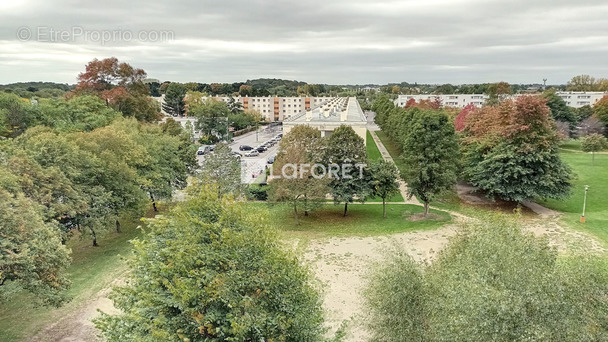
[584,204]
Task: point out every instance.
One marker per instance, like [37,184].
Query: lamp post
[584,204]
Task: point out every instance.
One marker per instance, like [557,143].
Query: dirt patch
[420,217]
[341,264]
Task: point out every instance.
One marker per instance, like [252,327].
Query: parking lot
[253,166]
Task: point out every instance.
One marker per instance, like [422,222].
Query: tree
[174,99]
[430,151]
[16,115]
[559,109]
[211,271]
[108,73]
[293,180]
[461,118]
[346,151]
[223,171]
[591,125]
[245,90]
[493,282]
[31,254]
[600,109]
[594,143]
[581,83]
[382,107]
[80,113]
[511,151]
[211,118]
[497,92]
[384,181]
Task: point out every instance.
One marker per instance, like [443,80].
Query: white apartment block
[572,98]
[447,100]
[275,108]
[579,99]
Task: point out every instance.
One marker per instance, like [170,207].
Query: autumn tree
[245,90]
[293,179]
[346,152]
[227,272]
[600,110]
[462,116]
[511,151]
[430,152]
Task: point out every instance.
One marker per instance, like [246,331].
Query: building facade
[274,108]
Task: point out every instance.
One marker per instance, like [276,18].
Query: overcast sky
[317,41]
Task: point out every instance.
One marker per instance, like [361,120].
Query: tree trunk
[153,203]
[305,206]
[383,207]
[94,237]
[345,208]
[426,208]
[118,226]
[295,212]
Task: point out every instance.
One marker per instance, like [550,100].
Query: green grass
[373,153]
[571,144]
[92,269]
[596,176]
[361,220]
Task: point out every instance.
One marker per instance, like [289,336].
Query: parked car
[203,150]
[212,147]
[261,149]
[245,148]
[252,153]
[236,154]
[271,159]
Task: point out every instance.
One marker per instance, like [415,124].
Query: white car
[252,153]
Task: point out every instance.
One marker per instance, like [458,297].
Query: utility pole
[544,84]
[584,204]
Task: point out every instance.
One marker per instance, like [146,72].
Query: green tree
[174,103]
[382,107]
[384,181]
[600,109]
[493,282]
[212,271]
[211,118]
[80,113]
[430,151]
[594,143]
[16,115]
[31,254]
[559,109]
[222,170]
[346,152]
[293,180]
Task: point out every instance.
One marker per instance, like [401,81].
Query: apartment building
[572,98]
[447,100]
[275,108]
[579,99]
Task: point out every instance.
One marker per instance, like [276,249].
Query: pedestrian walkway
[386,156]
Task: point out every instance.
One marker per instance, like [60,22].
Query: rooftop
[338,109]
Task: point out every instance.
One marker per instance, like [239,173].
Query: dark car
[261,149]
[245,148]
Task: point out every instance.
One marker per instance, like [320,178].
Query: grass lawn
[92,269]
[393,149]
[373,153]
[596,176]
[361,220]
